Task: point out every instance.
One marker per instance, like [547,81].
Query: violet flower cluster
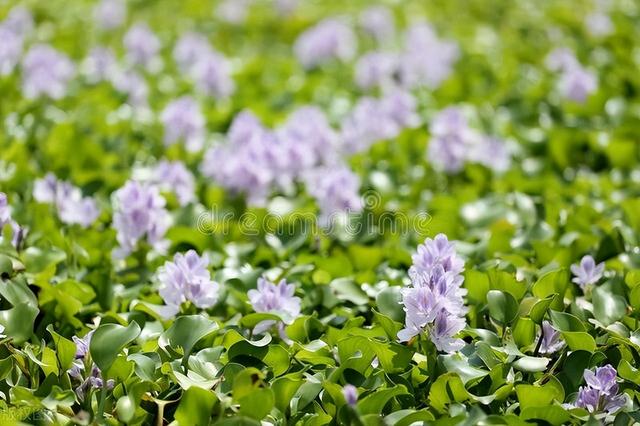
[330,39]
[601,392]
[77,371]
[586,272]
[6,219]
[174,177]
[454,143]
[139,212]
[336,191]
[576,83]
[72,207]
[46,72]
[434,302]
[142,46]
[110,14]
[378,22]
[551,339]
[187,279]
[275,299]
[183,121]
[209,69]
[376,119]
[13,30]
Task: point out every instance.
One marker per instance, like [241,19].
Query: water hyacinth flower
[189,50]
[275,299]
[350,394]
[426,59]
[72,207]
[110,14]
[133,85]
[560,59]
[601,392]
[10,49]
[378,22]
[376,69]
[173,176]
[450,137]
[551,339]
[336,191]
[434,302]
[212,76]
[233,11]
[491,152]
[46,72]
[94,379]
[187,279]
[599,24]
[183,120]
[577,83]
[19,20]
[587,272]
[142,46]
[328,40]
[100,65]
[139,212]
[6,219]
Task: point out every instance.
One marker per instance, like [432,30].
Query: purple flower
[599,24]
[434,302]
[336,190]
[133,85]
[350,394]
[110,14]
[183,120]
[376,69]
[6,219]
[378,22]
[10,49]
[100,64]
[426,60]
[400,106]
[450,138]
[233,11]
[142,45]
[139,212]
[188,279]
[577,84]
[94,380]
[173,176]
[20,21]
[46,72]
[601,392]
[72,207]
[587,272]
[329,39]
[490,152]
[212,76]
[275,299]
[551,339]
[560,59]
[191,48]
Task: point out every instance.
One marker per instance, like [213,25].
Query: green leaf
[108,341]
[374,403]
[186,332]
[607,306]
[503,307]
[540,308]
[257,404]
[539,395]
[65,349]
[195,407]
[388,303]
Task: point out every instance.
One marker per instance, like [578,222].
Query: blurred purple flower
[490,152]
[72,207]
[174,177]
[20,21]
[233,11]
[587,272]
[350,394]
[46,72]
[450,137]
[426,60]
[133,85]
[212,75]
[10,49]
[110,14]
[376,69]
[601,392]
[191,48]
[336,191]
[188,279]
[94,380]
[100,65]
[5,219]
[551,339]
[139,212]
[560,59]
[275,299]
[577,84]
[142,45]
[378,22]
[183,120]
[599,24]
[329,39]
